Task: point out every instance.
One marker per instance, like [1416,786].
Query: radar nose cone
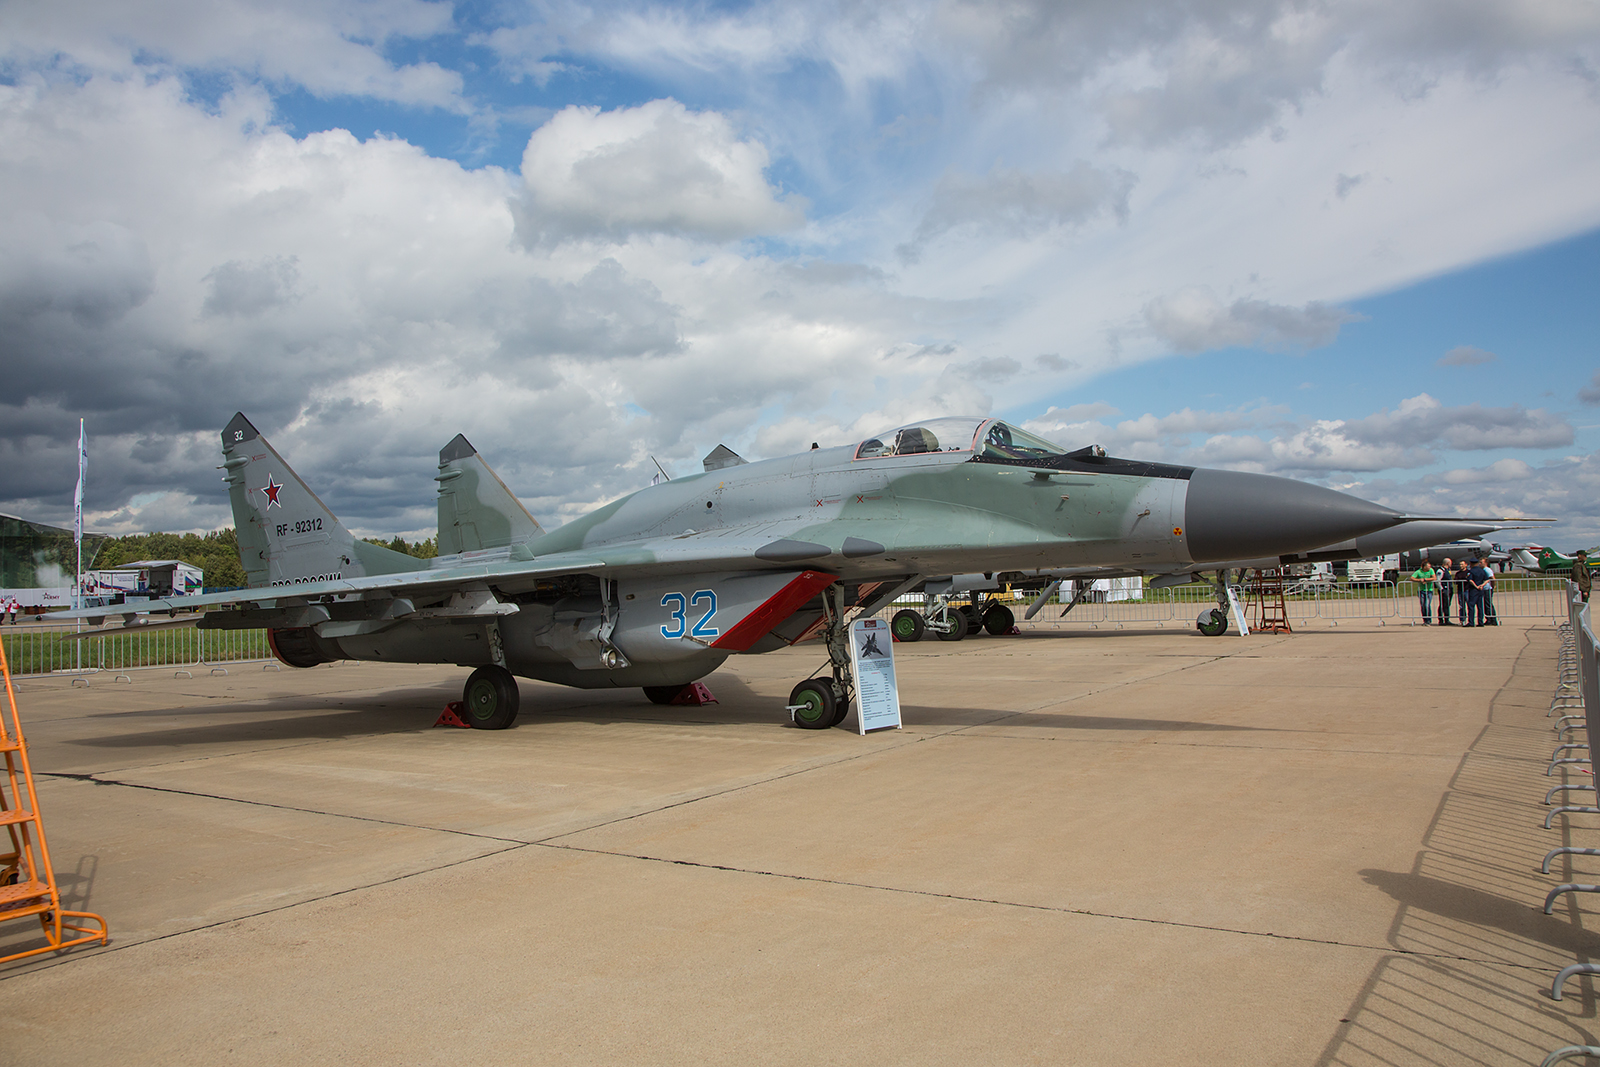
[1233,515]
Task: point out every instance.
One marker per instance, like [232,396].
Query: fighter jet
[1544,560]
[655,590]
[1469,548]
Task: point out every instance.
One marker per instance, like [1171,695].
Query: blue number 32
[680,606]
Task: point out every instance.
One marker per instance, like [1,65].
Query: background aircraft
[1544,560]
[658,588]
[997,618]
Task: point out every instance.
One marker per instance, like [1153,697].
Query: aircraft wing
[440,583]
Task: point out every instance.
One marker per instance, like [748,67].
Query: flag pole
[77,537]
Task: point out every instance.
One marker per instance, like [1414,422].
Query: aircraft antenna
[664,475]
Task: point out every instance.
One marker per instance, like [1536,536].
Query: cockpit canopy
[989,437]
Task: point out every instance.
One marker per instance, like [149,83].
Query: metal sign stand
[877,697]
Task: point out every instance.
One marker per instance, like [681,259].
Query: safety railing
[1304,600]
[43,649]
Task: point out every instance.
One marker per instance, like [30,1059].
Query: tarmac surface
[1101,847]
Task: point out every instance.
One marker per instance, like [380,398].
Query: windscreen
[954,434]
[1004,441]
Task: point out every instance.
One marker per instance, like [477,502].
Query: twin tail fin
[476,510]
[288,536]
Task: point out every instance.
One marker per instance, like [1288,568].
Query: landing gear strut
[1213,622]
[821,703]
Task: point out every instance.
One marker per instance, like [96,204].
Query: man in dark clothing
[1463,584]
[1580,574]
[1447,584]
[1478,579]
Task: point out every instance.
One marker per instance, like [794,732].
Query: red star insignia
[271,489]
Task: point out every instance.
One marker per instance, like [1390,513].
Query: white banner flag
[77,500]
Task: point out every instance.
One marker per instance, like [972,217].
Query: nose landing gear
[821,703]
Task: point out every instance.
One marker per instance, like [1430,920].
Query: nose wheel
[822,703]
[815,706]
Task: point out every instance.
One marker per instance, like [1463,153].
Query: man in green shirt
[1427,580]
[1580,573]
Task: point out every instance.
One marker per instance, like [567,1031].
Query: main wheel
[999,620]
[974,617]
[814,704]
[1213,622]
[958,627]
[908,625]
[490,698]
[662,694]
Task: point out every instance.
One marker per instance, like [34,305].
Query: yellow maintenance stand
[27,881]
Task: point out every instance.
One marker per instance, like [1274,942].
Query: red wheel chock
[1014,631]
[452,716]
[694,694]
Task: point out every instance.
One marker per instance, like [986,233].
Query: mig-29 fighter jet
[657,589]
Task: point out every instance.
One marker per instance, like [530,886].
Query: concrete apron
[1103,848]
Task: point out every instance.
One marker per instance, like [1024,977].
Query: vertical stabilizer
[286,535]
[476,510]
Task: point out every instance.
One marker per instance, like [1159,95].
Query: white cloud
[1264,438]
[1590,394]
[1566,489]
[1194,320]
[656,168]
[1465,356]
[1011,204]
[363,302]
[1088,186]
[328,47]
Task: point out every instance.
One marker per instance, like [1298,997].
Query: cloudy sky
[1350,241]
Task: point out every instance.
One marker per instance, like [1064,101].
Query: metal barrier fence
[43,649]
[36,649]
[1514,598]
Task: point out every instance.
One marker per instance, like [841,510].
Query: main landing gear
[490,698]
[821,703]
[949,623]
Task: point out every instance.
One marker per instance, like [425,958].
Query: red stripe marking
[779,606]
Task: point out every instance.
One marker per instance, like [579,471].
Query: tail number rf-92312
[300,526]
[680,607]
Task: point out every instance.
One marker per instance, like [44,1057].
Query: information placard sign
[872,658]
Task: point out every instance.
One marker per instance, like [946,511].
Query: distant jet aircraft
[1469,548]
[657,589]
[1545,560]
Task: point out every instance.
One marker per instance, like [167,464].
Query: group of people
[1471,587]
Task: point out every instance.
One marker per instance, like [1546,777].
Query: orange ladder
[1267,604]
[27,881]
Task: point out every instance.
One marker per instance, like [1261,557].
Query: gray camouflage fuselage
[659,587]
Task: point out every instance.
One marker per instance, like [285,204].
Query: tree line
[216,553]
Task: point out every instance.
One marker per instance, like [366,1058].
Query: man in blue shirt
[1479,583]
